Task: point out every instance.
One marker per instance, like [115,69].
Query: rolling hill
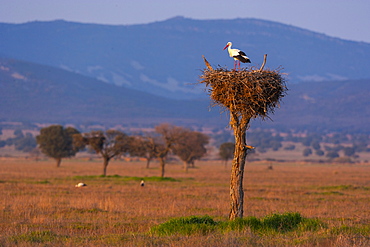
[164,58]
[39,93]
[325,107]
[42,94]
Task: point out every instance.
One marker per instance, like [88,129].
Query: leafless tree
[161,144]
[110,144]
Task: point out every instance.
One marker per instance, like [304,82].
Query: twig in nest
[264,62]
[207,63]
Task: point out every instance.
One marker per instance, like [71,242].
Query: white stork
[142,183]
[79,185]
[238,55]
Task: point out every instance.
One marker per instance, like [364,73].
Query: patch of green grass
[186,226]
[112,239]
[281,222]
[42,182]
[160,179]
[87,177]
[329,193]
[83,226]
[312,225]
[38,237]
[363,230]
[123,178]
[275,223]
[90,210]
[239,224]
[344,187]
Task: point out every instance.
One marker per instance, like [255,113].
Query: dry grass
[40,206]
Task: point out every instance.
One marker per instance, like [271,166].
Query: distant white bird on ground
[238,55]
[79,185]
[142,183]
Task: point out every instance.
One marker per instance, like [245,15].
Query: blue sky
[346,19]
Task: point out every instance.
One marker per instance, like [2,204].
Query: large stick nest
[245,92]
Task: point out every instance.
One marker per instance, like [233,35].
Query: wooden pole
[237,172]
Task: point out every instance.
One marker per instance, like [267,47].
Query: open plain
[40,205]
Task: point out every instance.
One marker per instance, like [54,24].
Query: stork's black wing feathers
[242,53]
[243,59]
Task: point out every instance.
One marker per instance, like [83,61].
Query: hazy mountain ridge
[326,106]
[43,94]
[38,93]
[164,58]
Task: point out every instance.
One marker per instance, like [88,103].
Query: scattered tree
[56,142]
[110,144]
[141,147]
[226,151]
[162,144]
[190,146]
[290,147]
[264,140]
[316,145]
[25,144]
[349,151]
[157,147]
[21,142]
[307,152]
[332,154]
[18,133]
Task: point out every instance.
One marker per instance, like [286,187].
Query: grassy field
[40,206]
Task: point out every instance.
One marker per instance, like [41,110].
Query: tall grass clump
[282,222]
[275,223]
[271,224]
[186,226]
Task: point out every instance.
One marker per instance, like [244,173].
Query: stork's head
[227,45]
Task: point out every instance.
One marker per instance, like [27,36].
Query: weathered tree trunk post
[247,94]
[237,172]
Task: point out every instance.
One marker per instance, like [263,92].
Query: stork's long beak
[226,47]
